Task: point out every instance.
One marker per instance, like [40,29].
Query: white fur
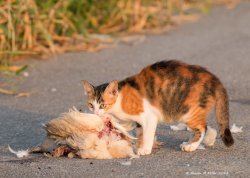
[97,110]
[150,118]
[210,136]
[19,153]
[192,146]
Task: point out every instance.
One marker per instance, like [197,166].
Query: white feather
[126,163]
[122,129]
[20,153]
[201,147]
[236,129]
[178,127]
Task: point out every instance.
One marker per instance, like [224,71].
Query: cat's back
[171,86]
[168,73]
[175,69]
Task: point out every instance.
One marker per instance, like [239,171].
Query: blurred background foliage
[46,27]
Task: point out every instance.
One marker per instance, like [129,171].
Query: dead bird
[84,135]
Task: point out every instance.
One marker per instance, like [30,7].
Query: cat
[165,91]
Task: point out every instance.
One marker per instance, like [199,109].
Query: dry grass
[35,27]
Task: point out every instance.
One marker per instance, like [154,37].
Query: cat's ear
[88,88]
[112,89]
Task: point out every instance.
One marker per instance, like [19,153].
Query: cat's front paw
[188,147]
[144,151]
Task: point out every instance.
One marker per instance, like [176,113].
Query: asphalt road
[220,41]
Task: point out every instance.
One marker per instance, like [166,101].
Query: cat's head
[101,98]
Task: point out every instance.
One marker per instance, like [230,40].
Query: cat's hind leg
[210,136]
[139,135]
[198,127]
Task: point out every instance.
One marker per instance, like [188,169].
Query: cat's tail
[222,115]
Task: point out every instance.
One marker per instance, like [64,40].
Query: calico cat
[165,91]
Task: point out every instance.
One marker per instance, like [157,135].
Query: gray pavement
[220,41]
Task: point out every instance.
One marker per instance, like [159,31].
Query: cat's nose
[99,113]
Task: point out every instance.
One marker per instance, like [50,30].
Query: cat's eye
[90,105]
[103,106]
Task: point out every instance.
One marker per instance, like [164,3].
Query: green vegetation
[45,27]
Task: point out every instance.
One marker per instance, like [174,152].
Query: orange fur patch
[197,121]
[131,101]
[109,101]
[184,71]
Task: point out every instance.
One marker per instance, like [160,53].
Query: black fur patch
[203,96]
[138,125]
[208,90]
[150,88]
[129,81]
[197,135]
[165,64]
[98,92]
[214,83]
[165,69]
[227,138]
[197,69]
